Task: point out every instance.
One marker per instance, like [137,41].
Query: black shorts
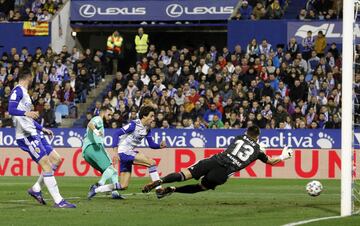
[212,172]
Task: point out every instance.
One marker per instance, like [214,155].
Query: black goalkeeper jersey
[241,152]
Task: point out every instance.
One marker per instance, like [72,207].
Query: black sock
[172,177]
[193,188]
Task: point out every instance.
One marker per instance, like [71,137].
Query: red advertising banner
[320,164]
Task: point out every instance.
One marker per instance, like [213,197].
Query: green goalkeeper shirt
[90,137]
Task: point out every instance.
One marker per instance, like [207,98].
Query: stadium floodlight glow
[347,107]
[73,33]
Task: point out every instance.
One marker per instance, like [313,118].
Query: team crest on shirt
[37,150]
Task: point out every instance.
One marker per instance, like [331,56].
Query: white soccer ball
[314,188]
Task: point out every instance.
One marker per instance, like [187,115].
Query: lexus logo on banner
[87,11]
[174,10]
[107,10]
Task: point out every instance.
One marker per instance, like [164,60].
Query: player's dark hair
[25,73]
[253,131]
[105,108]
[145,111]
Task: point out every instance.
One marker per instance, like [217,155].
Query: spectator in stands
[259,12]
[3,74]
[114,49]
[302,15]
[293,47]
[209,114]
[141,44]
[274,10]
[308,45]
[313,62]
[265,48]
[320,44]
[62,72]
[131,89]
[216,123]
[48,116]
[6,6]
[245,10]
[7,121]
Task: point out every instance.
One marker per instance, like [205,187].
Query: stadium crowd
[28,10]
[260,9]
[321,10]
[276,9]
[61,80]
[283,86]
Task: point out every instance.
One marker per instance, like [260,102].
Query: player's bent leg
[51,184]
[216,176]
[190,189]
[172,177]
[55,160]
[109,173]
[38,153]
[141,159]
[151,164]
[125,180]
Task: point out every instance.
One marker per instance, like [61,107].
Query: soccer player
[30,138]
[217,169]
[131,136]
[93,151]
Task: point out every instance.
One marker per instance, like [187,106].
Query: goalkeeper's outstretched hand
[287,153]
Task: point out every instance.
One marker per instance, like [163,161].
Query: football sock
[115,178]
[51,185]
[108,173]
[172,177]
[40,181]
[104,188]
[154,174]
[193,188]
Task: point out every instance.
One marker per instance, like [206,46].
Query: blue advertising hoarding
[151,10]
[307,139]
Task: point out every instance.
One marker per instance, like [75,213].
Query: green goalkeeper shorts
[97,157]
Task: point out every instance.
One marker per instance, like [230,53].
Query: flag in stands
[36,28]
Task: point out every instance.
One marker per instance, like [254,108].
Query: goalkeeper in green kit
[93,151]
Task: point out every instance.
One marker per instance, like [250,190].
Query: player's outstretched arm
[287,153]
[129,128]
[152,143]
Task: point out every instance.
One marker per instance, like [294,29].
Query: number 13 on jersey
[243,154]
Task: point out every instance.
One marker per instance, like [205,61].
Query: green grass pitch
[238,202]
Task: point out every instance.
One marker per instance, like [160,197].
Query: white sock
[104,188]
[154,175]
[40,181]
[38,184]
[51,185]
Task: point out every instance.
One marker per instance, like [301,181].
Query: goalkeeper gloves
[287,153]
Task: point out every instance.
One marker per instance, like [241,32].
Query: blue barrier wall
[11,35]
[242,32]
[317,139]
[280,31]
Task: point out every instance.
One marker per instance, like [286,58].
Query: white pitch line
[311,220]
